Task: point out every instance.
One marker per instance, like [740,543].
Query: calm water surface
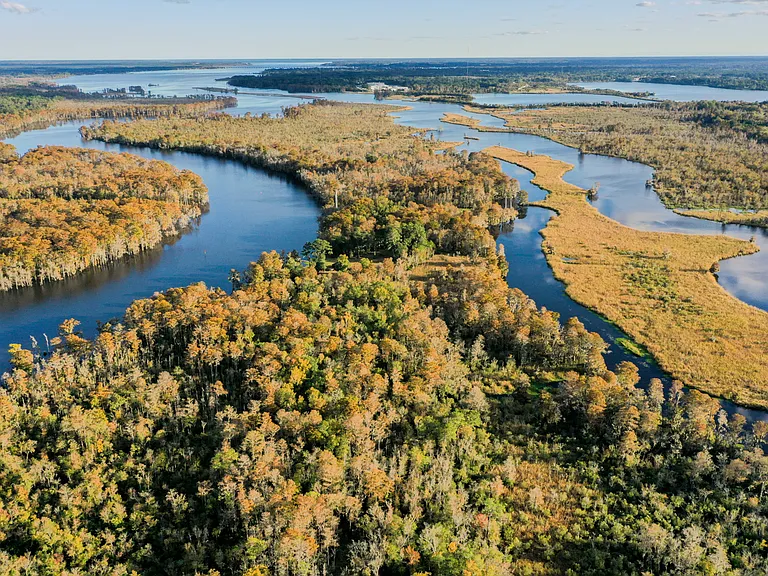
[178,82]
[680,92]
[528,99]
[252,211]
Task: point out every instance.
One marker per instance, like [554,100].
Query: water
[241,224]
[251,211]
[178,82]
[529,271]
[623,195]
[680,92]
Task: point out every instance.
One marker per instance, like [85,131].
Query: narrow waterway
[623,195]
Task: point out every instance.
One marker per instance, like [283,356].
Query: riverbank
[701,161]
[65,210]
[251,210]
[657,287]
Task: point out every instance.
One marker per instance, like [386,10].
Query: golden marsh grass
[657,287]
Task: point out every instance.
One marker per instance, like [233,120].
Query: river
[252,211]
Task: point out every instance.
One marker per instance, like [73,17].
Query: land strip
[657,287]
[39,106]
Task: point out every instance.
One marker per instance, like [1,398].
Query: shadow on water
[90,280]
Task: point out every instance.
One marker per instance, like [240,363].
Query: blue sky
[106,29]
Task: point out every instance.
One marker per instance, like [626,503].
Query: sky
[252,29]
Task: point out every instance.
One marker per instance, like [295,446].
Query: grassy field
[657,287]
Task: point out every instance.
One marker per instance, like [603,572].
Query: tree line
[63,210]
[512,75]
[38,106]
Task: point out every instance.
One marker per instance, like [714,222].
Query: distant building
[382,87]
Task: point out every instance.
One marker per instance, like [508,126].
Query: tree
[316,252]
[234,278]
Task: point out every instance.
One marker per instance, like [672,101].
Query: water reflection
[90,280]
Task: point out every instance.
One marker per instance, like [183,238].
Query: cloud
[715,16]
[15,7]
[523,33]
[646,4]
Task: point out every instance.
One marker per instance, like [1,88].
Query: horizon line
[458,58]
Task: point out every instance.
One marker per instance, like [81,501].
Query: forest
[420,82]
[388,194]
[512,75]
[383,403]
[750,119]
[355,422]
[63,210]
[706,155]
[38,105]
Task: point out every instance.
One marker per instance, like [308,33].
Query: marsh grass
[697,166]
[656,287]
[757,218]
[474,123]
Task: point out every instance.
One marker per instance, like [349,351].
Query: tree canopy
[63,210]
